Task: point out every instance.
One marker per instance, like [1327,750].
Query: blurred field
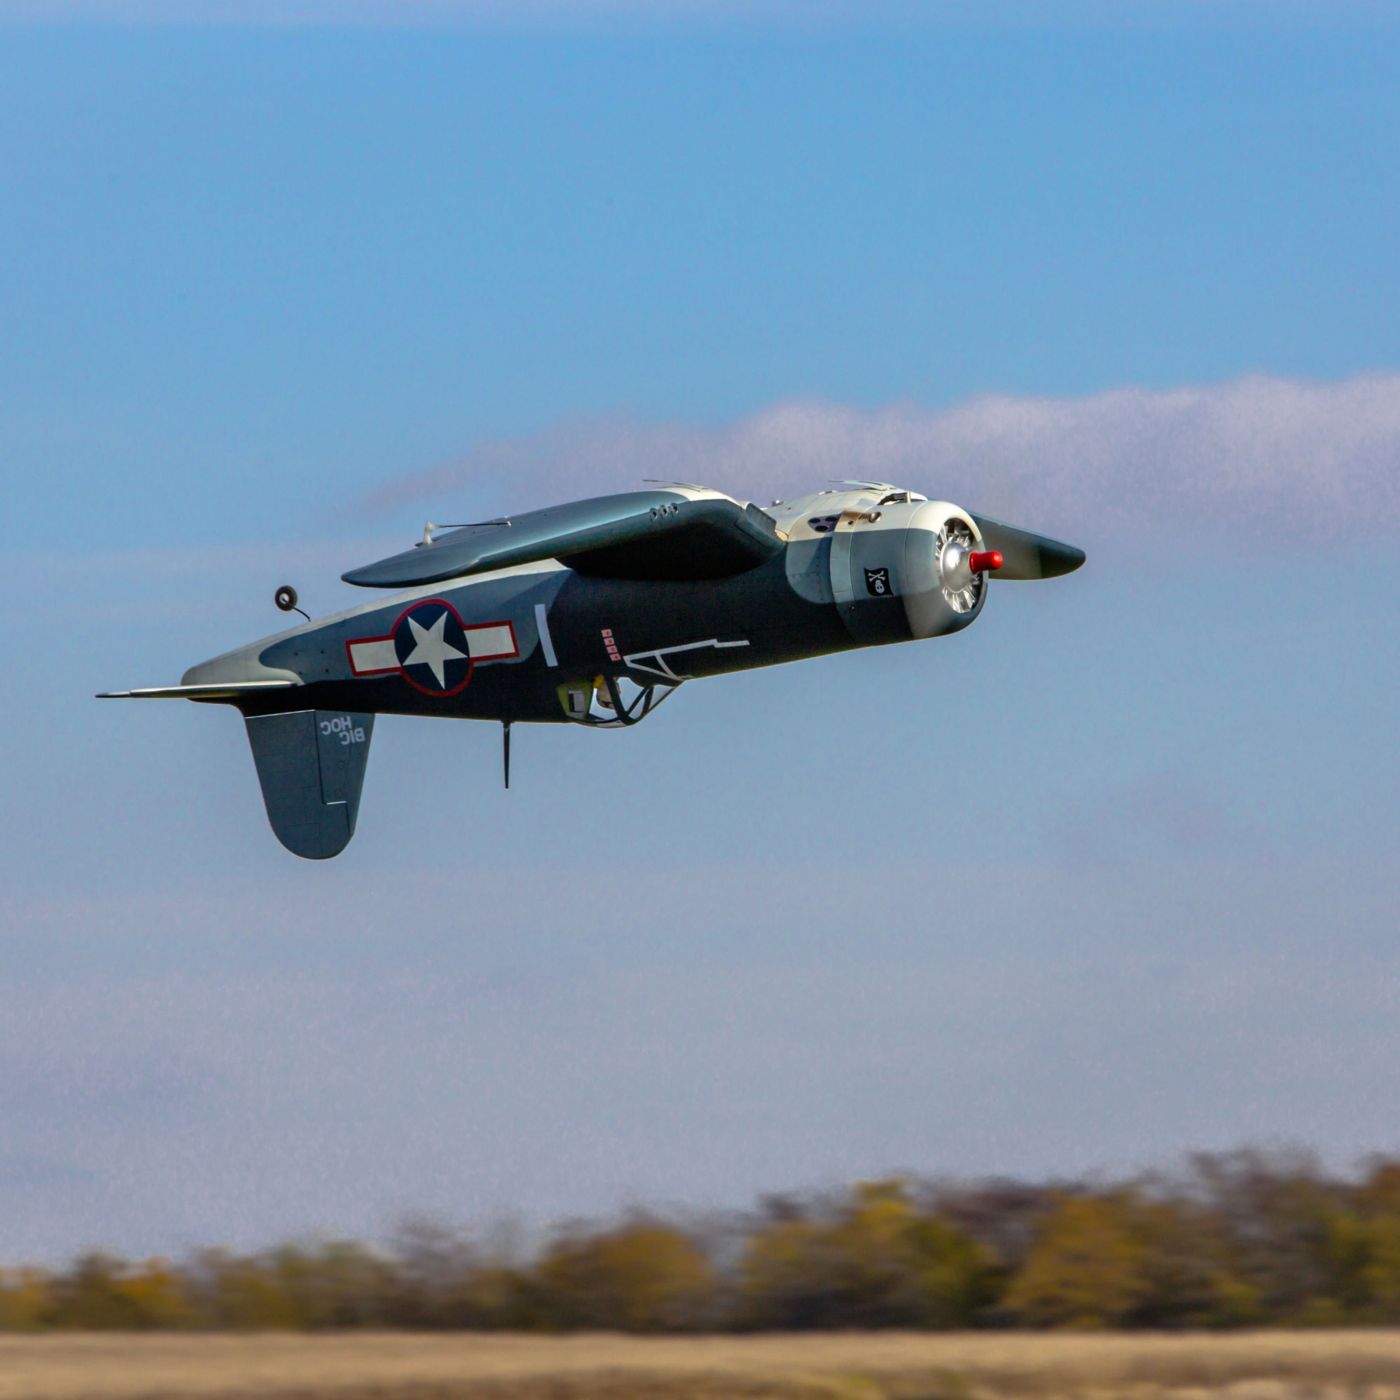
[854,1366]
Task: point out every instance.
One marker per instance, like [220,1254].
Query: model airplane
[593,613]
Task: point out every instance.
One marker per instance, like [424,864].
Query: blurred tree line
[1244,1239]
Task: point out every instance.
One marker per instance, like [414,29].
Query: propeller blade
[1027,556]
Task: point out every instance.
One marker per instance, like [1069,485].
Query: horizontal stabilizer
[635,535]
[311,764]
[1027,556]
[228,690]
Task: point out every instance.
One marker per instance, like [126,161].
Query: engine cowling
[945,569]
[898,553]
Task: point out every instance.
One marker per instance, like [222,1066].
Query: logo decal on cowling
[432,648]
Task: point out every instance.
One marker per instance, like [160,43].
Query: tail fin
[311,764]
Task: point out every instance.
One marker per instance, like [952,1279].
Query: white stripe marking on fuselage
[491,643]
[546,641]
[366,658]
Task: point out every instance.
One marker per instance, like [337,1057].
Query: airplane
[593,613]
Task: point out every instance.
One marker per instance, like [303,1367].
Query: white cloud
[1269,454]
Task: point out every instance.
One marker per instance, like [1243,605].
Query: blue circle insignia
[431,646]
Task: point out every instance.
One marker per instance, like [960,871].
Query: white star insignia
[432,649]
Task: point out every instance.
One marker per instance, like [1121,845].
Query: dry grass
[853,1366]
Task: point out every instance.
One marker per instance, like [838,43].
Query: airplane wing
[1026,555]
[634,535]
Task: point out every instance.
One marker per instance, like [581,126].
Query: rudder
[311,766]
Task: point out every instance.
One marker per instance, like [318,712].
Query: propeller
[1024,555]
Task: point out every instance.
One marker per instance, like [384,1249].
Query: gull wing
[634,535]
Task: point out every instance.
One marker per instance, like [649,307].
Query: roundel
[431,646]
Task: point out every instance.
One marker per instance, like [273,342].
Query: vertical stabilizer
[311,764]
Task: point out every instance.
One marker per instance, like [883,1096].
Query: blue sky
[1106,878]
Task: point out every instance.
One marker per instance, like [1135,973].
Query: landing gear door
[611,702]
